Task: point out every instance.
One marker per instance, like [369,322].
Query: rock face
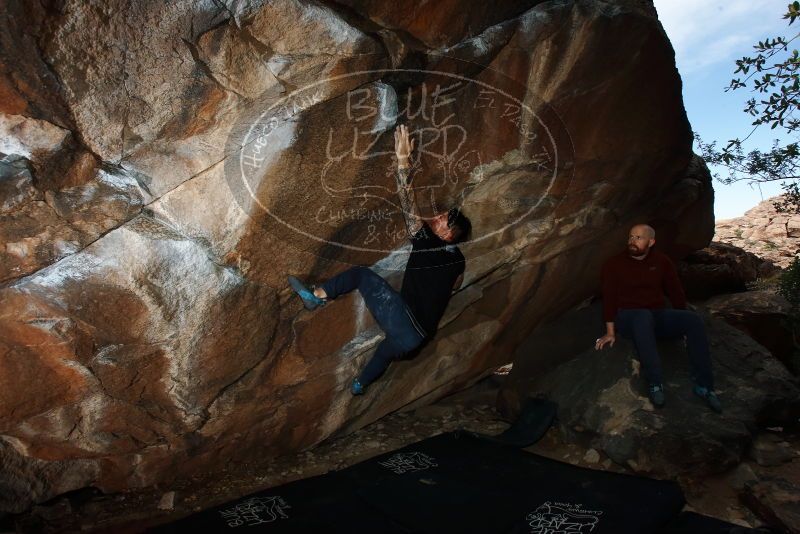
[776,500]
[167,164]
[602,400]
[721,268]
[764,232]
[762,315]
[769,450]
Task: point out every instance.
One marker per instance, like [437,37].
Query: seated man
[634,283]
[434,270]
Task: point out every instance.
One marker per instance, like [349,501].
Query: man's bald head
[640,239]
[647,229]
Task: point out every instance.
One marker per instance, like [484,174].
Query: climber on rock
[435,269]
[634,287]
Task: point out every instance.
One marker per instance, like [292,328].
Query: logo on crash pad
[408,462]
[557,518]
[255,511]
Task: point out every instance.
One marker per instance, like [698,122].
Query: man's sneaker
[310,300]
[656,394]
[710,397]
[356,388]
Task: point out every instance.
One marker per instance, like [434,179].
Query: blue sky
[708,36]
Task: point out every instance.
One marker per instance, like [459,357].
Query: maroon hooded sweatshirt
[631,283]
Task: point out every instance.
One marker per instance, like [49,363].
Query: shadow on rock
[603,402]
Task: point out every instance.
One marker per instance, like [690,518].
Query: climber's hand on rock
[403,146]
[602,341]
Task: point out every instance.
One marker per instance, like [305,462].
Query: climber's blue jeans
[644,326]
[390,312]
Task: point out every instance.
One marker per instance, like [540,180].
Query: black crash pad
[694,523]
[455,483]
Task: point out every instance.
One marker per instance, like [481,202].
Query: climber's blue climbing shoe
[310,300]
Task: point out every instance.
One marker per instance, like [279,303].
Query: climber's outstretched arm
[403,146]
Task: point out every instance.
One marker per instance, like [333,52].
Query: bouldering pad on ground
[456,483]
[694,523]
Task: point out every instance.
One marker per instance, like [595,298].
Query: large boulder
[762,315]
[721,268]
[172,162]
[602,399]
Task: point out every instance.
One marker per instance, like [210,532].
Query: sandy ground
[472,409]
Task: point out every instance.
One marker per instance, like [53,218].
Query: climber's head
[451,226]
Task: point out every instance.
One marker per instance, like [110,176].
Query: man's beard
[633,250]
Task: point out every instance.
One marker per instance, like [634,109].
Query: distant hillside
[764,232]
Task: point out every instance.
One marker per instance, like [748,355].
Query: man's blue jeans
[644,326]
[390,312]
